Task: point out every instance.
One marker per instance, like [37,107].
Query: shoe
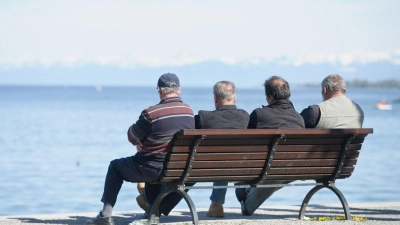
[240,192]
[244,209]
[99,220]
[141,202]
[215,210]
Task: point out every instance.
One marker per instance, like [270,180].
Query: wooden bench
[250,156]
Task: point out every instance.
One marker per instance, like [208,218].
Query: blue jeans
[256,196]
[218,195]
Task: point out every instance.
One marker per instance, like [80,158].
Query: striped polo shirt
[158,124]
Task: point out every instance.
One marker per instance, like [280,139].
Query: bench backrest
[207,155]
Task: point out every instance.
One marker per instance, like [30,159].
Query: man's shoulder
[211,112]
[166,105]
[166,109]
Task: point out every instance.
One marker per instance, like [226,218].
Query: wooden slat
[224,142]
[222,149]
[210,179]
[360,131]
[257,163]
[264,148]
[256,171]
[311,162]
[314,155]
[217,164]
[258,156]
[265,142]
[221,156]
[215,172]
[251,178]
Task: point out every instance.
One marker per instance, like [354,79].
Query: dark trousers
[126,169]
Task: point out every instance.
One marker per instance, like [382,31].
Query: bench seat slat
[257,163]
[261,155]
[251,178]
[256,171]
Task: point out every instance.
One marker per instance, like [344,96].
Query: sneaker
[215,210]
[100,220]
[244,209]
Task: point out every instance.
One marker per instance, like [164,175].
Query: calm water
[56,144]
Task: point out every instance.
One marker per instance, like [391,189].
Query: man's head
[224,93]
[333,85]
[168,86]
[276,88]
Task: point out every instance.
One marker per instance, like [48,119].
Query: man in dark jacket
[279,113]
[226,116]
[151,134]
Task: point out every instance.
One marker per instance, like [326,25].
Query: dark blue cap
[168,80]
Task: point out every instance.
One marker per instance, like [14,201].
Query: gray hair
[334,83]
[169,90]
[225,91]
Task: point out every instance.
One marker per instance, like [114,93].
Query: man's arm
[253,120]
[138,131]
[197,122]
[311,116]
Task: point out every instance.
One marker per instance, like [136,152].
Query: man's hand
[139,147]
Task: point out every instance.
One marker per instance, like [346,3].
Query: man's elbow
[130,139]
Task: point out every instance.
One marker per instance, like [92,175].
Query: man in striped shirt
[151,135]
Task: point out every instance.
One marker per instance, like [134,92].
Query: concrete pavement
[368,213]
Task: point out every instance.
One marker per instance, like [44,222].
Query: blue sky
[75,42]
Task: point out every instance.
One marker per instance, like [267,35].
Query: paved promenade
[367,213]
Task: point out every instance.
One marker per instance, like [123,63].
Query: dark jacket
[225,117]
[280,114]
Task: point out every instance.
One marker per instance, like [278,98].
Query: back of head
[277,87]
[225,91]
[169,83]
[334,84]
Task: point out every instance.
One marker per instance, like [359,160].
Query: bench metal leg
[153,212]
[161,196]
[192,208]
[338,194]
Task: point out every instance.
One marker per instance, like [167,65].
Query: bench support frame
[180,189]
[330,184]
[332,187]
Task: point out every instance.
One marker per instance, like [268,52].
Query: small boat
[383,105]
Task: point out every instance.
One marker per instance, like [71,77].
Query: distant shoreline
[390,83]
[356,83]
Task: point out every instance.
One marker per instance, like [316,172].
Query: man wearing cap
[151,134]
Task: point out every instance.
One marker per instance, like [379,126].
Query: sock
[107,210]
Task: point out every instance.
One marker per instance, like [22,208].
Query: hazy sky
[154,33]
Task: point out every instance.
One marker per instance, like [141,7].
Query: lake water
[56,144]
